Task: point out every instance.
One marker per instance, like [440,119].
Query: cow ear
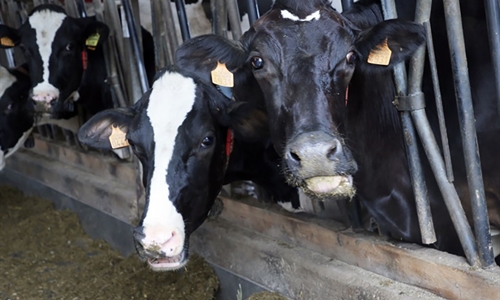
[248,122]
[9,37]
[198,56]
[389,43]
[96,131]
[94,33]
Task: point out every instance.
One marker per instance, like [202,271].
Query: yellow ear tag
[222,76]
[92,41]
[118,139]
[381,55]
[7,42]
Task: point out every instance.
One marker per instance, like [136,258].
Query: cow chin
[162,263]
[334,187]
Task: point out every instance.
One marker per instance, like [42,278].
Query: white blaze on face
[45,23]
[285,14]
[170,101]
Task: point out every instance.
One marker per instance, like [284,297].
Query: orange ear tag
[92,41]
[222,76]
[381,55]
[118,138]
[7,42]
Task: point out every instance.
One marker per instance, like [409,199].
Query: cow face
[16,112]
[56,48]
[303,55]
[179,132]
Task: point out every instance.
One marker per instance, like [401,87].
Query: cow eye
[69,47]
[207,141]
[257,62]
[351,58]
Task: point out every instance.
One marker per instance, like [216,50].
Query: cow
[66,60]
[182,132]
[328,90]
[16,117]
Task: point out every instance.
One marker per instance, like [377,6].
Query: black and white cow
[181,131]
[66,60]
[330,110]
[16,116]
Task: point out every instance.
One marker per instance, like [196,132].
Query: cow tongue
[323,184]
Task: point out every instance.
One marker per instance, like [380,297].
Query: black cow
[181,130]
[66,60]
[328,89]
[16,116]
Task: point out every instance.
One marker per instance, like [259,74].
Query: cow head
[16,111]
[303,55]
[56,47]
[179,132]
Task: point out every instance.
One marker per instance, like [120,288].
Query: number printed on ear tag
[381,55]
[118,138]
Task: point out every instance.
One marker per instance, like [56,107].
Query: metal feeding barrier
[411,102]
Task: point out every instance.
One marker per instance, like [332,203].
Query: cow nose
[316,153]
[159,240]
[315,145]
[42,106]
[44,97]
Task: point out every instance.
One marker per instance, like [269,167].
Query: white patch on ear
[6,80]
[46,23]
[285,14]
[170,101]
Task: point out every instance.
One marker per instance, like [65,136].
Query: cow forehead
[46,23]
[171,99]
[6,80]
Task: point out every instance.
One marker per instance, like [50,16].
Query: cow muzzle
[163,253]
[318,163]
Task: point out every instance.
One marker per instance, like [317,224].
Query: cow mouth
[172,263]
[340,186]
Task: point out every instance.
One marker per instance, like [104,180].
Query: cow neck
[228,93]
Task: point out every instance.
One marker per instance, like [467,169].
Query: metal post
[468,130]
[183,21]
[135,46]
[252,10]
[233,13]
[414,164]
[439,103]
[172,40]
[492,17]
[346,4]
[219,13]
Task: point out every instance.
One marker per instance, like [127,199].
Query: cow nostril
[294,156]
[334,150]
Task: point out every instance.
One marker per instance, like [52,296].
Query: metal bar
[159,35]
[233,13]
[220,18]
[252,10]
[183,21]
[468,129]
[419,185]
[172,39]
[346,4]
[439,103]
[135,46]
[80,7]
[492,8]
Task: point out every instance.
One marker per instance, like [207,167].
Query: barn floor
[45,254]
